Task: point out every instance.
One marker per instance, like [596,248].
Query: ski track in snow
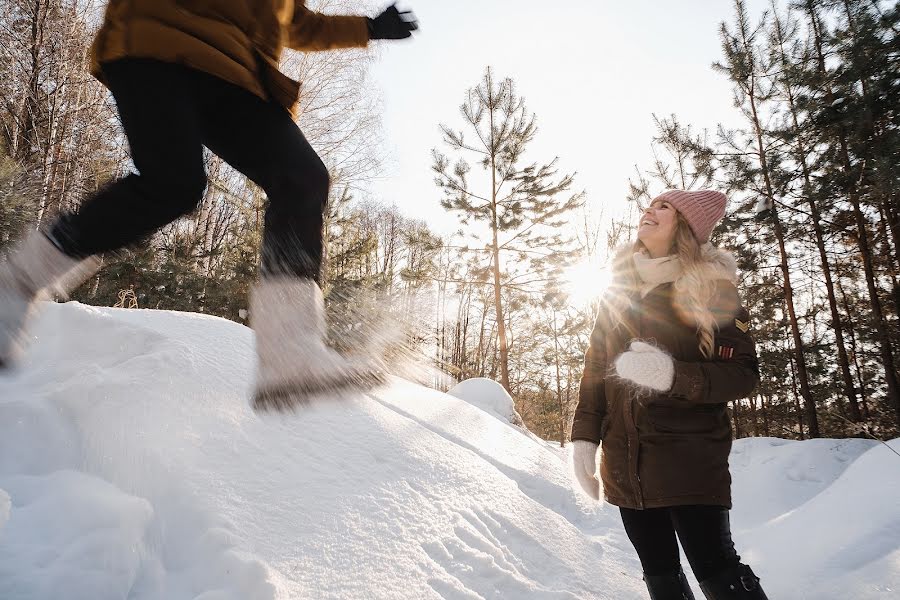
[132,467]
[480,554]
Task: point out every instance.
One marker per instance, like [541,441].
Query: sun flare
[585,281]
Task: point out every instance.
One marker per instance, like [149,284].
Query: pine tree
[791,57]
[519,203]
[849,117]
[748,70]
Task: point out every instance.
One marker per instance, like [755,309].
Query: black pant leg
[156,106]
[705,534]
[653,537]
[261,140]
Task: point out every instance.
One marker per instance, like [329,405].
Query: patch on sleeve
[725,352]
[742,325]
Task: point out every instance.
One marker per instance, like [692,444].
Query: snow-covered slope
[132,467]
[821,517]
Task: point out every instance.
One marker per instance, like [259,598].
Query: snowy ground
[132,467]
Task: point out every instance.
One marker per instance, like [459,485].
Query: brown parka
[666,449]
[240,41]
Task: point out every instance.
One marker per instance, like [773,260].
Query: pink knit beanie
[702,209]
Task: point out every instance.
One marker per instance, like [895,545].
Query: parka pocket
[693,419]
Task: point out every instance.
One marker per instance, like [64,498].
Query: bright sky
[593,71]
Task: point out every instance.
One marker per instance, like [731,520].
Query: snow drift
[489,396]
[132,467]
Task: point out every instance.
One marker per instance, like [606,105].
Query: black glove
[392,24]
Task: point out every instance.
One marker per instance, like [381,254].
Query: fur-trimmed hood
[719,264]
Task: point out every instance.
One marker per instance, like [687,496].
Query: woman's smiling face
[657,227]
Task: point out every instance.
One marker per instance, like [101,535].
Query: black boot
[669,587]
[738,583]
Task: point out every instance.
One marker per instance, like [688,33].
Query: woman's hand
[646,366]
[584,464]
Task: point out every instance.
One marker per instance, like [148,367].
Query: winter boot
[294,363]
[669,587]
[738,583]
[35,267]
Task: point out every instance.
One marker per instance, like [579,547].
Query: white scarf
[656,271]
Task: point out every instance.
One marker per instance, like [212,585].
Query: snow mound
[77,526]
[842,519]
[132,467]
[774,476]
[489,396]
[137,470]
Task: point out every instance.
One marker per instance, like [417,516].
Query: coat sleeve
[311,31]
[592,390]
[733,371]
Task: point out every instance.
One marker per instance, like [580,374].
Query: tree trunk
[880,323]
[753,421]
[892,267]
[495,251]
[799,358]
[892,214]
[27,137]
[479,356]
[559,395]
[797,406]
[736,415]
[854,354]
[837,326]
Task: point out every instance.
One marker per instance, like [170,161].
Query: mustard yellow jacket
[240,41]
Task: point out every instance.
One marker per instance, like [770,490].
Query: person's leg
[261,140]
[705,534]
[653,537]
[155,107]
[287,311]
[155,104]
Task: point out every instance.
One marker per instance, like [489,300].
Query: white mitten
[647,366]
[584,464]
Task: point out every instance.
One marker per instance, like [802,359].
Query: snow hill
[131,467]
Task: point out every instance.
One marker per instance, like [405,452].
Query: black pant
[704,531]
[169,112]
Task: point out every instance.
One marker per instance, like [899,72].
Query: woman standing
[670,348]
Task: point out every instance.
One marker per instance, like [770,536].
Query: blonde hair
[694,288]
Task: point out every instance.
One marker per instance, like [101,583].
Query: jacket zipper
[638,492]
